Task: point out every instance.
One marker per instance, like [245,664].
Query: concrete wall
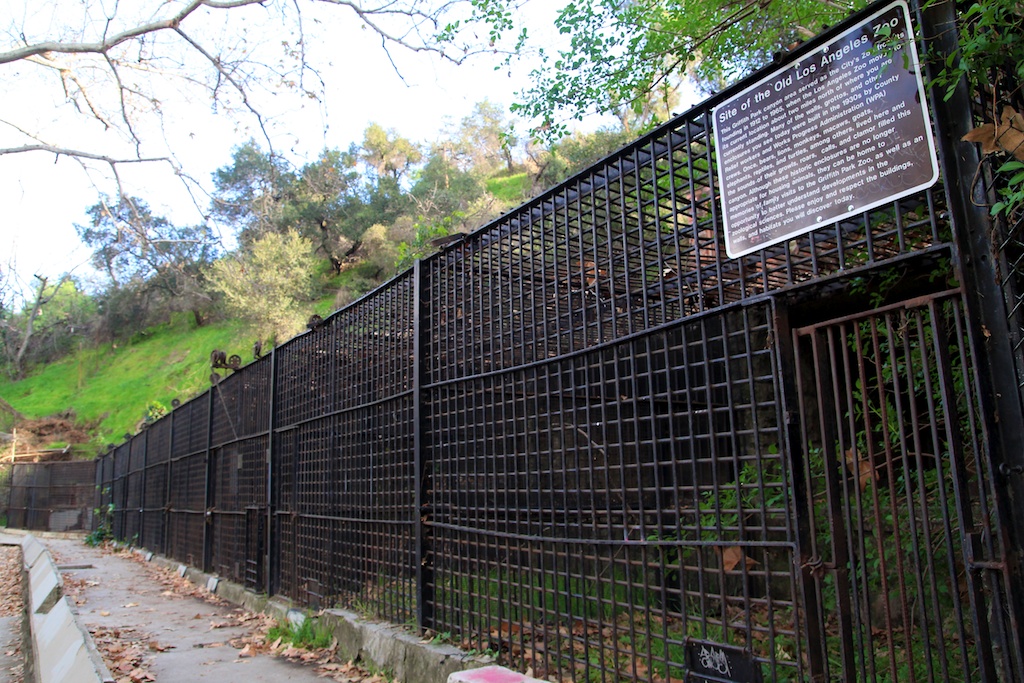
[61,651]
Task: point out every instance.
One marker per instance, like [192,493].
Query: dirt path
[11,662]
[152,625]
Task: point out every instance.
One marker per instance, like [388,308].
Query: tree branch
[222,72]
[105,45]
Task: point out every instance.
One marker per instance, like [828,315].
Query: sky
[43,197]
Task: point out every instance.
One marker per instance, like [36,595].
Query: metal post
[142,490]
[816,650]
[123,503]
[271,543]
[167,488]
[421,471]
[999,398]
[208,499]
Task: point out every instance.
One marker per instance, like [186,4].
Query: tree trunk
[37,308]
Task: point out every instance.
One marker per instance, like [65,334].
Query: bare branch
[105,45]
[124,108]
[243,93]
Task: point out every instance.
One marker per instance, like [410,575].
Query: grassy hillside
[110,387]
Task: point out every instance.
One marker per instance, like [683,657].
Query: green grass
[110,386]
[309,635]
[511,189]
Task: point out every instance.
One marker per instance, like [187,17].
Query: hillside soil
[46,439]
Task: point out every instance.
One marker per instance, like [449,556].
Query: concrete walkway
[184,638]
[10,649]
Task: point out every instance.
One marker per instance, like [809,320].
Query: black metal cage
[586,440]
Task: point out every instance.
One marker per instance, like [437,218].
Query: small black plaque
[714,662]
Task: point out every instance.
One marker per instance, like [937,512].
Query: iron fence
[52,496]
[586,440]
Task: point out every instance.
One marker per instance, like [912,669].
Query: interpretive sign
[841,130]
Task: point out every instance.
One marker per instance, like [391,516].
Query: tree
[442,188]
[485,139]
[389,154]
[94,80]
[147,257]
[327,203]
[45,327]
[267,284]
[623,56]
[253,193]
[554,163]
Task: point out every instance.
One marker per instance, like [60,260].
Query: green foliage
[251,192]
[990,59]
[310,634]
[1011,191]
[380,251]
[625,58]
[575,153]
[104,526]
[991,42]
[131,244]
[154,411]
[66,314]
[388,153]
[511,189]
[265,285]
[110,386]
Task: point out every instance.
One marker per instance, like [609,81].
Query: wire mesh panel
[52,496]
[240,433]
[597,515]
[632,243]
[241,404]
[186,503]
[907,555]
[239,484]
[134,481]
[119,489]
[104,489]
[343,473]
[154,499]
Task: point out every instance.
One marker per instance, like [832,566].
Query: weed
[104,527]
[310,634]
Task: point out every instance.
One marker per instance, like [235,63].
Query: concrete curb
[379,646]
[61,649]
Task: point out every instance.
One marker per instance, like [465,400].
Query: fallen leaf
[246,652]
[732,556]
[860,468]
[104,614]
[140,675]
[131,604]
[1006,136]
